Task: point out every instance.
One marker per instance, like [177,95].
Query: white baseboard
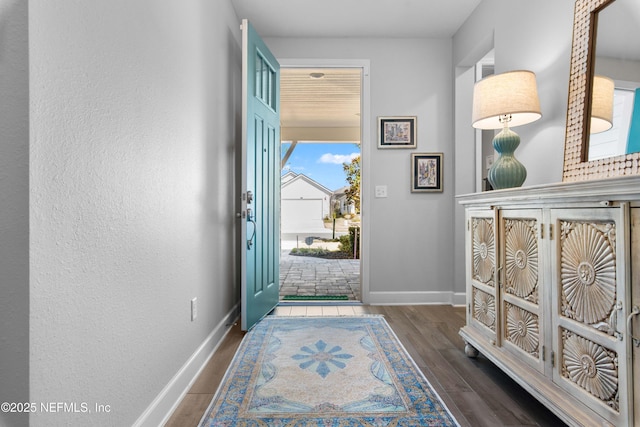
[459,298]
[163,406]
[417,298]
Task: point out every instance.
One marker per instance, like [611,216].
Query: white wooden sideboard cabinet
[553,289]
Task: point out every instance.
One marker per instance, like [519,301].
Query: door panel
[588,315]
[484,292]
[522,320]
[633,322]
[260,157]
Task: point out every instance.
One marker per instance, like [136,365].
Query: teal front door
[260,229]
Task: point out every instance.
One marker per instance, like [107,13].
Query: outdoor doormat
[315,297]
[324,371]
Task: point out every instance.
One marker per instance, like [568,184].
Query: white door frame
[365,146]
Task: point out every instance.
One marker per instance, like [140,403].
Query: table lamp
[501,101]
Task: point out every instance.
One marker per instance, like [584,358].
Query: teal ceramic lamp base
[507,171]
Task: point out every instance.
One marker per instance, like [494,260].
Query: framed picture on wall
[397,132]
[426,172]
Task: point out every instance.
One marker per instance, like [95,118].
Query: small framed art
[397,132]
[426,172]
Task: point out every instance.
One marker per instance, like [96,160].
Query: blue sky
[321,162]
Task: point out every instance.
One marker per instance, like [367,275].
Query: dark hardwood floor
[477,393]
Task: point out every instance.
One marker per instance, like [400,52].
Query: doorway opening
[485,153]
[321,209]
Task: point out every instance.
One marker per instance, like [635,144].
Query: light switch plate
[381,191]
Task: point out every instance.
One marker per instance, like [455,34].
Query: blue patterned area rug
[324,371]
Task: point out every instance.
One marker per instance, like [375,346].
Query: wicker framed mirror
[577,166]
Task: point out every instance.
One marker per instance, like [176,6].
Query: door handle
[250,220]
[497,278]
[613,320]
[634,312]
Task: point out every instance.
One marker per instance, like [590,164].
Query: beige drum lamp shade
[513,93]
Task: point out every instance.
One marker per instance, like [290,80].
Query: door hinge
[541,231]
[543,353]
[553,358]
[550,231]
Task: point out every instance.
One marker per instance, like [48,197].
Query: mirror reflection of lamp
[601,104]
[501,101]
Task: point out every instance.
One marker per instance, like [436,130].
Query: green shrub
[309,251]
[347,242]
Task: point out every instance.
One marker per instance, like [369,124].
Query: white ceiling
[334,100]
[355,18]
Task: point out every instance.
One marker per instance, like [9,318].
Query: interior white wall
[134,119]
[533,36]
[14,209]
[407,231]
[465,173]
[519,44]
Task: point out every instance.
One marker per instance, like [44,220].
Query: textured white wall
[134,120]
[14,209]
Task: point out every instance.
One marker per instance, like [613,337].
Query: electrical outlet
[194,309]
[488,161]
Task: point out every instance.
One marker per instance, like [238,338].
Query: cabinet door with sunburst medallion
[588,308]
[633,322]
[482,289]
[521,295]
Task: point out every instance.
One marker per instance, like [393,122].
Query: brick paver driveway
[302,275]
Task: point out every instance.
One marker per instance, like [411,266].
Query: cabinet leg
[470,350]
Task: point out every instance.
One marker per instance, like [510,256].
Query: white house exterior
[304,203]
[341,203]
